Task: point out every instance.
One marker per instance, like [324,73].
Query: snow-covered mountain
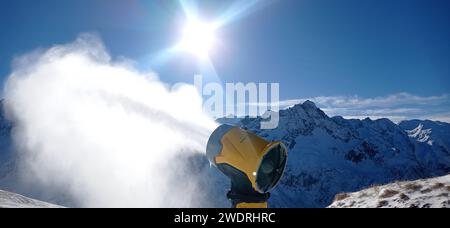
[12,200]
[7,163]
[427,193]
[332,155]
[428,131]
[5,136]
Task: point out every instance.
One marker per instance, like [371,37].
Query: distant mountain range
[332,155]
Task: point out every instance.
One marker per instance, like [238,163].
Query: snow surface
[12,200]
[425,193]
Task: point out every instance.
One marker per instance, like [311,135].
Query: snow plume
[103,133]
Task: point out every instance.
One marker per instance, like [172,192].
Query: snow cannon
[253,164]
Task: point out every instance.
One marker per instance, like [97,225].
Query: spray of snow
[101,132]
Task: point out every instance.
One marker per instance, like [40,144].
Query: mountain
[426,193]
[7,163]
[431,141]
[428,131]
[332,155]
[5,136]
[12,200]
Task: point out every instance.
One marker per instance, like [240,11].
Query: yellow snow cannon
[253,164]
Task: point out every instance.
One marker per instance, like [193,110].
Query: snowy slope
[427,193]
[332,155]
[12,200]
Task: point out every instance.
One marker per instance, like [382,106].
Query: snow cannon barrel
[253,164]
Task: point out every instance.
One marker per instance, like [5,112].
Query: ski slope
[12,200]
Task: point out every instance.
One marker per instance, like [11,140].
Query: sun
[198,38]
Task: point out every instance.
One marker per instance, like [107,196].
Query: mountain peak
[305,105]
[307,109]
[309,104]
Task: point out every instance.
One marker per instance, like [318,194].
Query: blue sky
[334,52]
